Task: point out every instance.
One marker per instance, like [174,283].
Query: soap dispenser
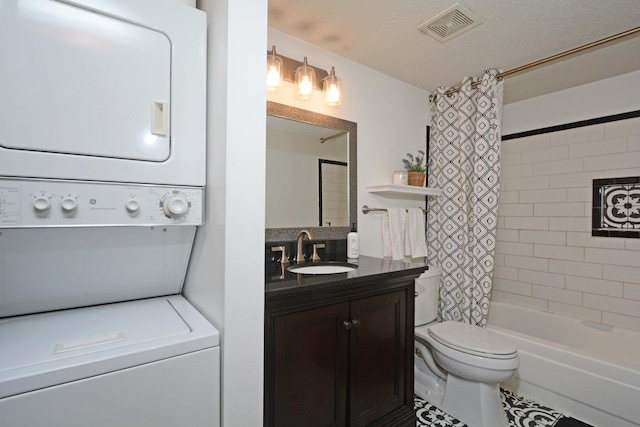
[353,251]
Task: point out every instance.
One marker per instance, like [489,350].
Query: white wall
[546,257]
[391,117]
[602,98]
[226,275]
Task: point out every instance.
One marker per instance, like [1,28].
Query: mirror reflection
[310,173]
[307,179]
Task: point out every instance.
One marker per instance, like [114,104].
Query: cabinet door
[310,367]
[378,364]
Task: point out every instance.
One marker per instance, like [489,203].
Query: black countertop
[279,281]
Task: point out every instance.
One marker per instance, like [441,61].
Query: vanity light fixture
[332,89]
[306,78]
[274,70]
[305,81]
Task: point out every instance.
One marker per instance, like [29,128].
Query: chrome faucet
[300,254]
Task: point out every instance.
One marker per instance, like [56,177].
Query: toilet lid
[472,339]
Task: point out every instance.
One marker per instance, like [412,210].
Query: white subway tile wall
[546,257]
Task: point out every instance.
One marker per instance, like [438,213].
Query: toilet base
[429,387]
[475,404]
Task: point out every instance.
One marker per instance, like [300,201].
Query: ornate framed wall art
[616,207]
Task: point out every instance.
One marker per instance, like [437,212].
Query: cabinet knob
[353,324]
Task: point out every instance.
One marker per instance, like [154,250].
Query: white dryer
[103,90]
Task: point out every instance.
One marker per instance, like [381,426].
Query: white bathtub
[585,370]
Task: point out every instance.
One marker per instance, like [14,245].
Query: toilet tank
[427,296]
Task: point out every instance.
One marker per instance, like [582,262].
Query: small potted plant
[416,167]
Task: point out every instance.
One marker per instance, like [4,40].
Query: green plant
[415,164]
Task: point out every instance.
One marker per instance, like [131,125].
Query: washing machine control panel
[53,203]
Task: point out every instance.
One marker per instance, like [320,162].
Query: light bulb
[333,94]
[332,88]
[274,71]
[305,88]
[273,78]
[305,81]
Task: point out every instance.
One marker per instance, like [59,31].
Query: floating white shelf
[396,189]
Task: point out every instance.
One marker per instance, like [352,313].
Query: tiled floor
[521,412]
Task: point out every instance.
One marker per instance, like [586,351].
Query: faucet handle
[283,259]
[315,256]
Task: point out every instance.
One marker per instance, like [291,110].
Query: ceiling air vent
[450,23]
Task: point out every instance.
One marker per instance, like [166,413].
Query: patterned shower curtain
[464,158]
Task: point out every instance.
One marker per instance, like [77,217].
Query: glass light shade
[274,71]
[305,83]
[332,89]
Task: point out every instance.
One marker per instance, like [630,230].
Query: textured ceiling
[383,35]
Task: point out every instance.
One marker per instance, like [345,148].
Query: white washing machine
[102,157]
[93,328]
[153,362]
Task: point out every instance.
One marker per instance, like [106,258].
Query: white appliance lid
[470,338]
[52,348]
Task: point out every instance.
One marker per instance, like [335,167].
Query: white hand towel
[415,243]
[397,220]
[386,237]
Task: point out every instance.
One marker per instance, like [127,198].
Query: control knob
[42,203]
[69,204]
[175,205]
[132,206]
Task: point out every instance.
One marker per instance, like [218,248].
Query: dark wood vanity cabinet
[341,357]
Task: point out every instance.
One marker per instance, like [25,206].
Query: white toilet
[458,367]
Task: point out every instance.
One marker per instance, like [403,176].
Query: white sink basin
[329,268]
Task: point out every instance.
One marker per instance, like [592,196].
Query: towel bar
[366,209]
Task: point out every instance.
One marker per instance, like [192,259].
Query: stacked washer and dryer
[102,174]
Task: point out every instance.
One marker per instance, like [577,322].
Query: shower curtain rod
[548,59]
[335,135]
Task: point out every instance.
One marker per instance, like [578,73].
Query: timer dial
[175,205]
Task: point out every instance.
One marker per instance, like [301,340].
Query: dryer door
[77,82]
[96,90]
